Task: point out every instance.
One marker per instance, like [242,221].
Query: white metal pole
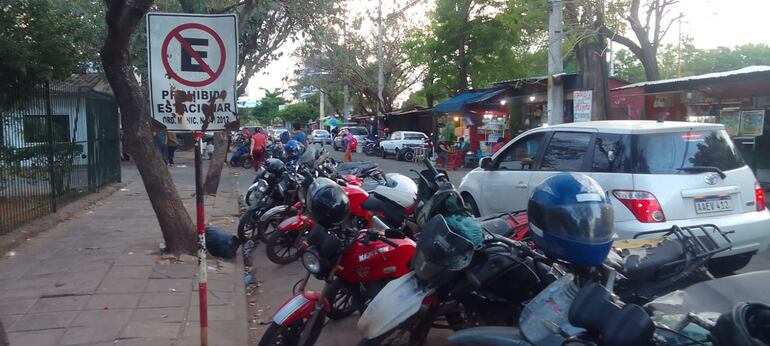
[555,66]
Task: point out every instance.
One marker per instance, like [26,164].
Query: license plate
[713,204]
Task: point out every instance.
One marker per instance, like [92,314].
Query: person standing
[160,142]
[347,139]
[335,131]
[300,135]
[171,145]
[258,141]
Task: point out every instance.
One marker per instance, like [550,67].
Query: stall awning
[459,102]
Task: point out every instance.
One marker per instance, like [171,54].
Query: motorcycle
[371,147]
[352,263]
[707,313]
[241,157]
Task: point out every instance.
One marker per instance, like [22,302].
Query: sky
[711,23]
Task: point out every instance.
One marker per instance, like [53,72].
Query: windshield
[358,131]
[665,153]
[668,153]
[415,136]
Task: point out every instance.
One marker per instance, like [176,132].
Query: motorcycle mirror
[395,234]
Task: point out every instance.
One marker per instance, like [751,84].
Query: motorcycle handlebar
[388,241]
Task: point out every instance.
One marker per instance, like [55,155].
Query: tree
[299,113]
[336,56]
[584,19]
[122,18]
[649,32]
[267,110]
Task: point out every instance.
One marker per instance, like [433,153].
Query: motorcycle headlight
[311,262]
[262,186]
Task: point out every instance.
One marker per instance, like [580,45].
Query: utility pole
[345,91]
[321,98]
[555,66]
[380,77]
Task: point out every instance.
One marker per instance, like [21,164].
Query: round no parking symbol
[201,55]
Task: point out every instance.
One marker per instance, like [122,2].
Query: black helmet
[746,324]
[571,219]
[275,166]
[327,202]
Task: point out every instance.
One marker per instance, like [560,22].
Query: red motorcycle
[393,201]
[354,264]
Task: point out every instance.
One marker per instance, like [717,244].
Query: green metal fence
[57,142]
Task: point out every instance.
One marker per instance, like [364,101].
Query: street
[276,281]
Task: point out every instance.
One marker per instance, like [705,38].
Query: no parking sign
[192,64]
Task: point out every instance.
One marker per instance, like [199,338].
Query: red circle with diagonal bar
[175,34]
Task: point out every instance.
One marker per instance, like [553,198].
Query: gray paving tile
[9,320]
[36,281]
[178,271]
[135,259]
[122,285]
[113,301]
[102,318]
[169,285]
[215,313]
[10,306]
[37,338]
[164,300]
[151,329]
[48,320]
[90,335]
[67,303]
[177,314]
[139,342]
[132,272]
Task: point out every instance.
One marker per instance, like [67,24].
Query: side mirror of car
[486,163]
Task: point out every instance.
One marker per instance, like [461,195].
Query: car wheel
[724,266]
[384,154]
[409,155]
[470,203]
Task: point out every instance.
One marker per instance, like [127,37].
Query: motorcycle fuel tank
[376,261]
[357,196]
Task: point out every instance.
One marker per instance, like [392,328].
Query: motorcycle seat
[392,212]
[497,226]
[644,263]
[488,336]
[356,167]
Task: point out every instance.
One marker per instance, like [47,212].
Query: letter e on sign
[192,57]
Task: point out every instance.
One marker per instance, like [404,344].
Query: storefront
[738,99]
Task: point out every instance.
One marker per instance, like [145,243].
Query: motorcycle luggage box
[717,296]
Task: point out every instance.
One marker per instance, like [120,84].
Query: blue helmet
[293,149]
[571,219]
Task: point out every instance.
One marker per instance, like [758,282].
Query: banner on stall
[581,105]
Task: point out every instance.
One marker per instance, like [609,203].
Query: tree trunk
[462,65]
[175,223]
[650,64]
[214,174]
[593,74]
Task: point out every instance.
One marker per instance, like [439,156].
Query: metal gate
[57,142]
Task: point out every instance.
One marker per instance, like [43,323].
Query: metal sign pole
[200,212]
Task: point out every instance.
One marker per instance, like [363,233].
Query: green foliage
[32,162]
[694,61]
[266,111]
[502,40]
[300,113]
[43,40]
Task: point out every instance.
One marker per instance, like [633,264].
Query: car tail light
[642,204]
[759,197]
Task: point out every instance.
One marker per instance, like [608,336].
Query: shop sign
[731,120]
[752,123]
[581,105]
[193,63]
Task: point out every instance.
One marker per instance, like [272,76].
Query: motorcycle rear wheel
[281,248]
[267,227]
[401,335]
[247,162]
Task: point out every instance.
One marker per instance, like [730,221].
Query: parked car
[400,140]
[321,136]
[359,132]
[657,174]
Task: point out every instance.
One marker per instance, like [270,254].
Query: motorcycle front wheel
[402,335]
[267,227]
[281,247]
[342,300]
[247,226]
[277,334]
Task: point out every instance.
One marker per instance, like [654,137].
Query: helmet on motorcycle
[746,324]
[571,219]
[275,166]
[327,202]
[293,149]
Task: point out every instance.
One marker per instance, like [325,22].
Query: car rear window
[358,131]
[665,153]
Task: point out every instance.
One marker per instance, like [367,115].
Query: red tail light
[759,197]
[642,204]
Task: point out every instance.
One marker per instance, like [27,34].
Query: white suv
[403,139]
[657,174]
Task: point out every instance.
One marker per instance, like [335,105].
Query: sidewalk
[98,279]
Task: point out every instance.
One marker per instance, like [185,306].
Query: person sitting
[443,153]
